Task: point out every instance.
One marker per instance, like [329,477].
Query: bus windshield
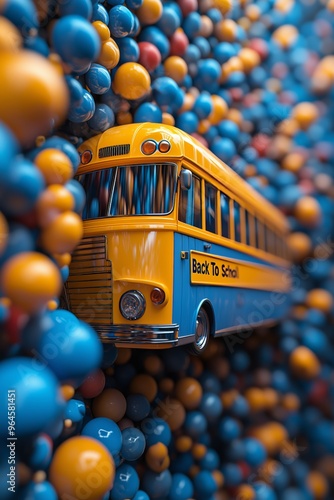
[129,190]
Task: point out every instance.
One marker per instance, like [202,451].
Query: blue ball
[148,112]
[126,483]
[240,407]
[82,8]
[192,54]
[228,429]
[78,193]
[187,121]
[169,20]
[181,487]
[22,13]
[263,491]
[192,24]
[129,50]
[154,35]
[156,485]
[19,239]
[8,148]
[211,406]
[137,407]
[41,454]
[120,21]
[37,44]
[195,423]
[76,41]
[223,51]
[204,46]
[75,410]
[75,90]
[166,92]
[83,111]
[232,474]
[140,495]
[210,461]
[203,105]
[100,14]
[134,4]
[38,403]
[204,484]
[20,187]
[156,430]
[229,129]
[224,149]
[39,491]
[133,444]
[102,119]
[98,79]
[106,431]
[255,452]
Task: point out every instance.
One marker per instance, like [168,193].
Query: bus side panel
[234,307]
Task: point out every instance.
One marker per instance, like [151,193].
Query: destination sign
[206,269]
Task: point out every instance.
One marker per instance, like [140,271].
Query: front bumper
[149,336]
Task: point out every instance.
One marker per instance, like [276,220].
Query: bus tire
[202,332]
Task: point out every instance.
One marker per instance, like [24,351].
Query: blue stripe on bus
[232,306]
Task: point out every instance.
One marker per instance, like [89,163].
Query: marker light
[132,304]
[164,146]
[149,147]
[157,296]
[86,156]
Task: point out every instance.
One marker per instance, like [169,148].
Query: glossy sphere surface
[110,404]
[131,81]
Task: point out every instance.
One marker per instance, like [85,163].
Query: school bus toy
[177,247]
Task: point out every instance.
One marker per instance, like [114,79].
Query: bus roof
[127,141]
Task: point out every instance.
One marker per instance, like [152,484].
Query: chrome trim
[139,334]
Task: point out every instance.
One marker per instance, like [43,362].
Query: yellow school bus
[177,247]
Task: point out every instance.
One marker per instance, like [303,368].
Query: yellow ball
[219,109]
[249,58]
[157,457]
[149,12]
[300,245]
[293,161]
[102,30]
[131,81]
[304,363]
[318,484]
[82,467]
[245,492]
[63,234]
[321,299]
[226,30]
[307,211]
[10,37]
[168,119]
[285,35]
[189,392]
[3,232]
[109,54]
[176,68]
[35,107]
[305,113]
[124,118]
[54,200]
[55,166]
[223,6]
[30,280]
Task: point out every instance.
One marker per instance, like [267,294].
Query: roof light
[149,147]
[164,146]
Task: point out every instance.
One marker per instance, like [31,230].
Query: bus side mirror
[186,179]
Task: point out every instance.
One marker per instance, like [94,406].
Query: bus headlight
[132,304]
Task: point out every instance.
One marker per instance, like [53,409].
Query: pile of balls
[252,419]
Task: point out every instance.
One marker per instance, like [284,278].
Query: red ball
[149,55]
[188,6]
[178,43]
[93,385]
[260,46]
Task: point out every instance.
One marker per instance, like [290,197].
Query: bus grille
[120,149]
[88,289]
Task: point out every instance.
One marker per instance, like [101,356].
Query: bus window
[270,241]
[259,234]
[97,186]
[225,214]
[190,210]
[210,207]
[248,228]
[236,218]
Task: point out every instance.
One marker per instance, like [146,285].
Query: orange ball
[168,119]
[291,402]
[173,412]
[305,113]
[82,467]
[304,363]
[245,492]
[55,166]
[307,211]
[183,444]
[124,118]
[34,108]
[157,458]
[272,435]
[63,259]
[149,12]
[226,30]
[318,484]
[145,385]
[249,58]
[54,200]
[293,162]
[109,54]
[256,399]
[219,109]
[189,392]
[131,81]
[123,356]
[253,12]
[224,6]
[285,35]
[198,451]
[206,27]
[30,280]
[300,245]
[10,37]
[321,299]
[110,404]
[330,5]
[102,30]
[3,232]
[153,364]
[176,68]
[63,234]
